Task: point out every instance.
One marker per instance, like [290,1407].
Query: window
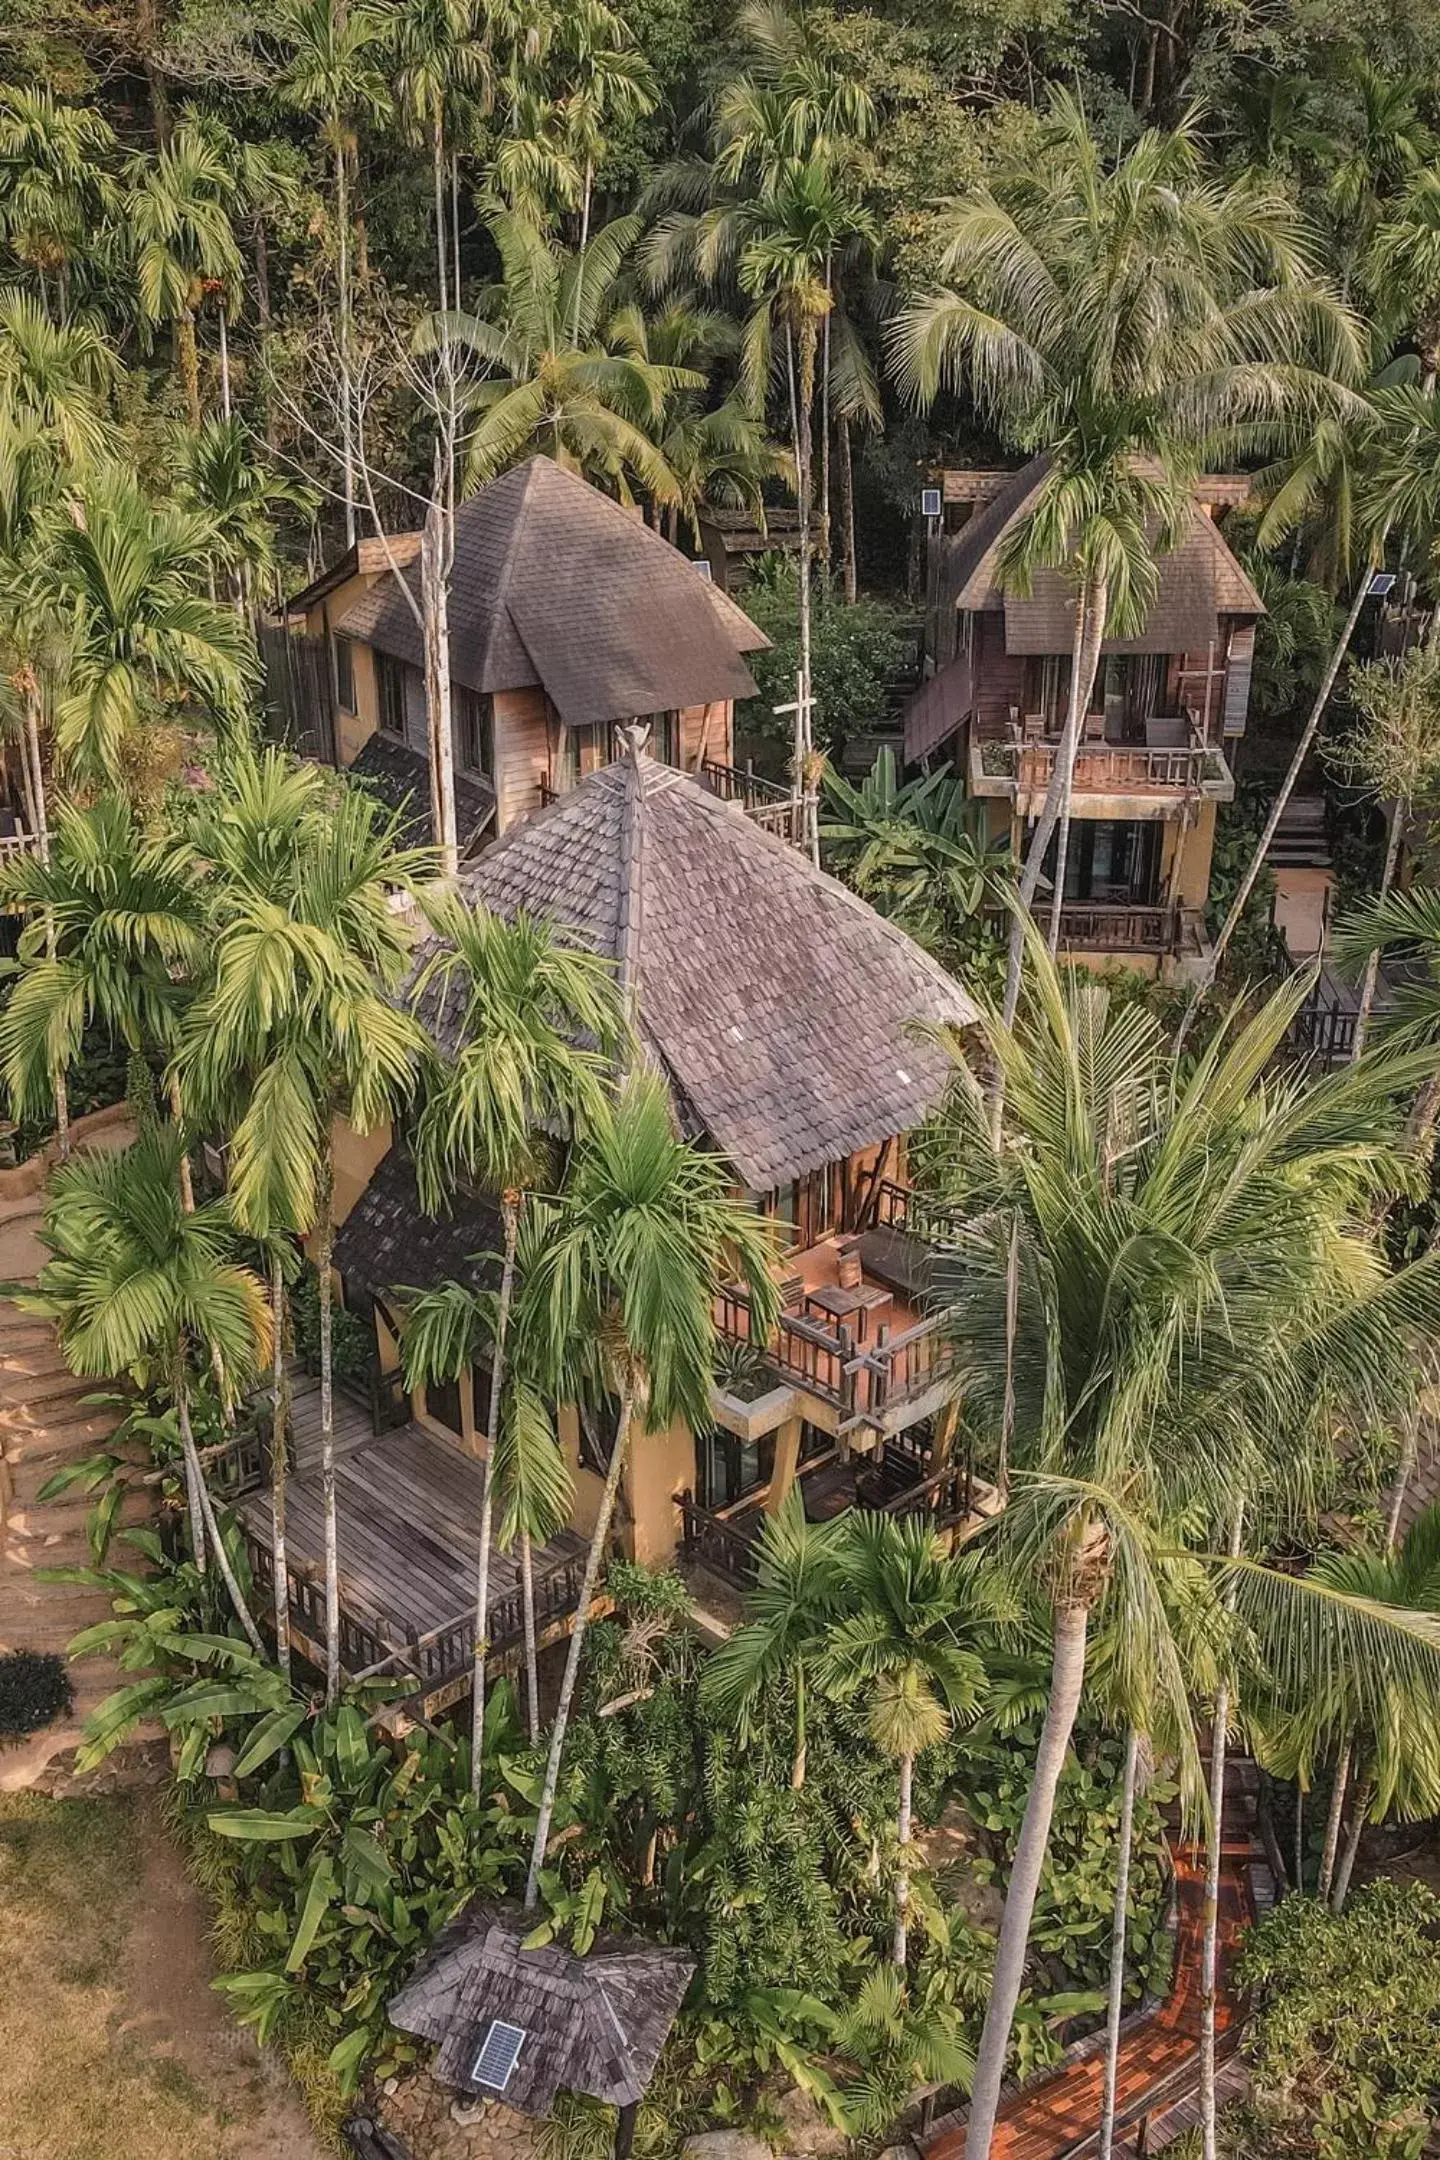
[474,721]
[727,1468]
[442,1402]
[390,694]
[344,675]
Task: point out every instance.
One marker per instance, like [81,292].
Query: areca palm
[137,1278]
[238,495]
[909,1643]
[55,188]
[297,1019]
[1196,1272]
[799,1590]
[56,376]
[122,580]
[178,217]
[561,383]
[534,1024]
[1120,317]
[630,1258]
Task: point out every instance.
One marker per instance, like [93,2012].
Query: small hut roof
[780,1007]
[556,585]
[591,2024]
[400,776]
[1199,581]
[387,1239]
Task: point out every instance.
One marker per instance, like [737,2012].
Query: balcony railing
[763,801]
[1024,767]
[911,1214]
[862,1385]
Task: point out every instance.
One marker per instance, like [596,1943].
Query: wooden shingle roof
[388,1242]
[556,585]
[591,2025]
[1199,581]
[400,777]
[780,1007]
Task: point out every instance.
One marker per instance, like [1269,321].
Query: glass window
[390,693]
[728,1468]
[344,675]
[474,723]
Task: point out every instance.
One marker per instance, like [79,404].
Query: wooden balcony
[763,801]
[408,1509]
[1164,774]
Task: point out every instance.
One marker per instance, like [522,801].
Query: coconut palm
[113,942]
[178,218]
[55,186]
[908,1644]
[799,1591]
[298,1016]
[629,1262]
[1120,317]
[560,382]
[57,376]
[123,581]
[335,70]
[138,1279]
[529,1026]
[1160,1369]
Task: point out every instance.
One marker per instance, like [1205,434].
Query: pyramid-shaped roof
[555,584]
[780,1007]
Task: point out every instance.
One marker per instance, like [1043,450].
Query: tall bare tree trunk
[35,773]
[1277,808]
[805,779]
[902,1862]
[1067,1679]
[510,1211]
[222,1557]
[1210,1946]
[846,476]
[279,1441]
[1055,795]
[324,1249]
[347,378]
[1089,668]
[1364,1794]
[599,1539]
[1118,1930]
[532,1661]
[1333,1821]
[435,602]
[177,1114]
[1399,812]
[189,361]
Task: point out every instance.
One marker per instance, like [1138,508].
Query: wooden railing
[861,1386]
[912,1214]
[900,1367]
[1119,926]
[800,1350]
[946,1497]
[710,1538]
[1115,768]
[1323,1031]
[763,801]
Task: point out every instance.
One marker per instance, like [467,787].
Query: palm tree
[1119,317]
[625,1277]
[298,1014]
[529,1027]
[1157,1374]
[336,70]
[239,496]
[446,72]
[119,580]
[907,1642]
[136,1279]
[58,376]
[799,1591]
[178,217]
[608,78]
[113,942]
[560,382]
[55,187]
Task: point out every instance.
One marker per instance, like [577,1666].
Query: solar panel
[930,502]
[499,2053]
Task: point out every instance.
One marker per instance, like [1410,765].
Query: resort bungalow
[782,1011]
[1151,765]
[568,617]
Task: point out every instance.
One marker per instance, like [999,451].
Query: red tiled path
[1059,2119]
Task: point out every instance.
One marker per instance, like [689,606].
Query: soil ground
[115,2047]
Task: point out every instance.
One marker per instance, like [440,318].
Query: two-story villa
[568,616]
[1151,764]
[782,1011]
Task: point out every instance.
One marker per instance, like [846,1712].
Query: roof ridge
[502,588]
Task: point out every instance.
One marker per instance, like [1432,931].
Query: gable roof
[556,585]
[593,2024]
[780,1007]
[400,777]
[388,1242]
[1199,580]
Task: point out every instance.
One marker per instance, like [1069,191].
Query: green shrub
[352,1338]
[34,1691]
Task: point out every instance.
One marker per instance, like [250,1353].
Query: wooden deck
[408,1517]
[1058,2118]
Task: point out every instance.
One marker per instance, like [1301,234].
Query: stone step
[54,1444]
[23,1391]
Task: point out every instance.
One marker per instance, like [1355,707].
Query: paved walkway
[1059,2119]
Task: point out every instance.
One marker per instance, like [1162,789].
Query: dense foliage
[34,1691]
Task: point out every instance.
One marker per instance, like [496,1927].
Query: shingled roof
[1198,581]
[400,777]
[780,1007]
[388,1242]
[591,2025]
[554,584]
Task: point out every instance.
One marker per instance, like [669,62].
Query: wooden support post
[787,1459]
[625,2130]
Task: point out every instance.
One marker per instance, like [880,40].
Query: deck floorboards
[408,1519]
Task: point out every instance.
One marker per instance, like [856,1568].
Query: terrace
[1170,764]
